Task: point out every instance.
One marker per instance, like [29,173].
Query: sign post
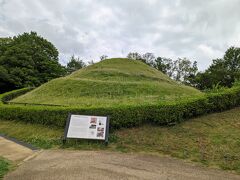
[87,127]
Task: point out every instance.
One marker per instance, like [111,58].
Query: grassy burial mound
[130,92]
[112,82]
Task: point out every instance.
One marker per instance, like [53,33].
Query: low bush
[6,97]
[123,116]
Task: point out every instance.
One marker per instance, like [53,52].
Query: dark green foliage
[222,72]
[184,70]
[75,64]
[164,65]
[56,116]
[27,60]
[127,116]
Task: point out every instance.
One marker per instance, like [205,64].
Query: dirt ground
[65,164]
[13,151]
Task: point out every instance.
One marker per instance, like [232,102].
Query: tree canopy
[222,72]
[182,69]
[30,60]
[27,60]
[74,64]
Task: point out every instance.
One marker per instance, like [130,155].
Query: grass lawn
[109,83]
[4,167]
[212,140]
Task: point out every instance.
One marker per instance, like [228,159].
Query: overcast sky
[197,29]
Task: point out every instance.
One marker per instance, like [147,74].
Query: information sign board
[87,127]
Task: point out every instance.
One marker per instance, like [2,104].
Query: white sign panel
[87,127]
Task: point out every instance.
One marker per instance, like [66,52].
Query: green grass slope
[112,82]
[4,167]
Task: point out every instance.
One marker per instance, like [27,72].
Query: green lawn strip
[44,137]
[5,166]
[212,140]
[38,135]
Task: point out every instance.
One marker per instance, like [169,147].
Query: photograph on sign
[87,127]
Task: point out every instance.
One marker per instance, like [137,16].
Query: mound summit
[112,82]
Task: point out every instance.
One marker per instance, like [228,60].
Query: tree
[134,56]
[164,65]
[222,72]
[103,57]
[148,58]
[232,63]
[190,78]
[75,64]
[184,69]
[91,62]
[27,60]
[4,44]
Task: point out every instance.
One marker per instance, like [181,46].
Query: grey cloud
[199,30]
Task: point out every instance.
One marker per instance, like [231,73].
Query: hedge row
[6,97]
[126,116]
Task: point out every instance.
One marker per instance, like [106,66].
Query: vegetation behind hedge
[123,116]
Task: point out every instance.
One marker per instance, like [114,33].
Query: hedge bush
[124,116]
[6,97]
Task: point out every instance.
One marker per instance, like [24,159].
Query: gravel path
[68,165]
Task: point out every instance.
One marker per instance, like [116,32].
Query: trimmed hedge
[8,96]
[124,116]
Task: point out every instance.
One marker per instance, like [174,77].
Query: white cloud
[209,51]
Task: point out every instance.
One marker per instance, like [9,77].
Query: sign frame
[68,123]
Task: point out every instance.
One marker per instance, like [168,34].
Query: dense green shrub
[224,100]
[6,97]
[124,116]
[56,116]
